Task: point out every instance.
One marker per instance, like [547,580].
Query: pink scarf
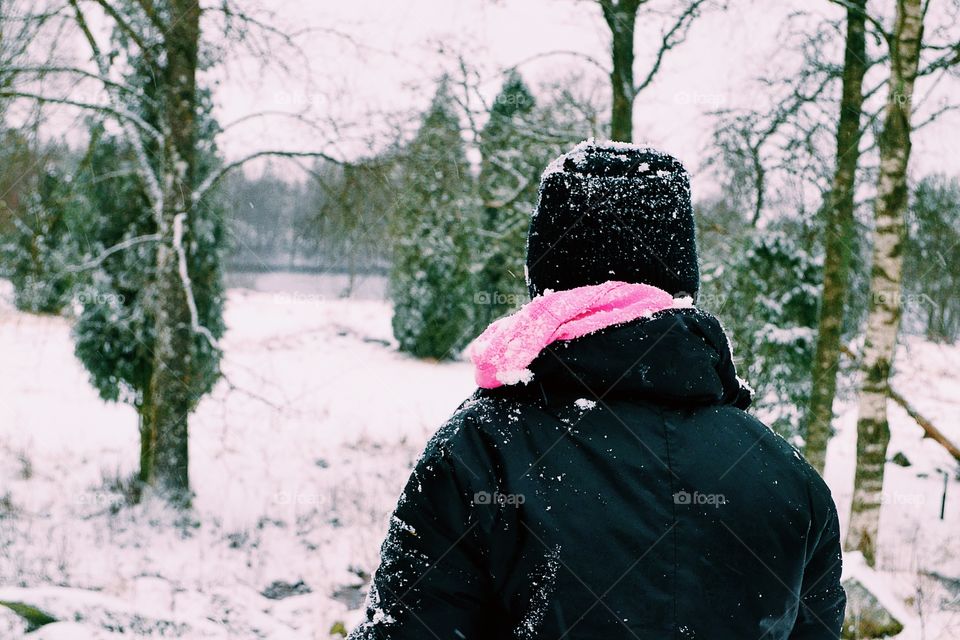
[502,353]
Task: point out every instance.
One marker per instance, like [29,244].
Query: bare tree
[839,210]
[621,18]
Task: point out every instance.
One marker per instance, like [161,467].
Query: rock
[350,595]
[278,589]
[865,616]
[901,459]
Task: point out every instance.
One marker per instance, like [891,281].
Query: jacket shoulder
[789,459]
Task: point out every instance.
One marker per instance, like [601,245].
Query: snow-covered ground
[297,459]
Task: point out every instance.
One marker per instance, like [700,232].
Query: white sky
[394,68]
[396,65]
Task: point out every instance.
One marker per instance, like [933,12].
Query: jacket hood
[677,357]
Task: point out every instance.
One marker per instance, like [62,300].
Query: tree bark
[836,239]
[873,430]
[172,393]
[621,18]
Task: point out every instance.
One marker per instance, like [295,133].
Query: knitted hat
[613,211]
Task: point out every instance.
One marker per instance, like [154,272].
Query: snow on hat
[613,211]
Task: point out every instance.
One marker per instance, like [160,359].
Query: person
[605,480]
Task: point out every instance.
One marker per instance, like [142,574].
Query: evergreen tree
[931,261]
[519,139]
[511,162]
[48,226]
[435,217]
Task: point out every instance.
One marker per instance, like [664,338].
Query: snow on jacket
[613,487]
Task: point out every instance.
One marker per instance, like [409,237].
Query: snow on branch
[185,279]
[151,181]
[522,183]
[120,246]
[929,430]
[120,114]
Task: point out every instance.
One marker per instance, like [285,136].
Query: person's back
[605,481]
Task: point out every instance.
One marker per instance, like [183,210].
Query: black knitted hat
[613,211]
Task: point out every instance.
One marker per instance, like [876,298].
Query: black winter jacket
[622,493]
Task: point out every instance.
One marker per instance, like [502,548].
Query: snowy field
[297,458]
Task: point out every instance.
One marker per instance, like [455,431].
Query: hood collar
[503,352]
[611,339]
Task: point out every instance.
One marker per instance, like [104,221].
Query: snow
[297,467]
[577,155]
[585,404]
[296,470]
[515,376]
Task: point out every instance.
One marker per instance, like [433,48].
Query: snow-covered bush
[772,313]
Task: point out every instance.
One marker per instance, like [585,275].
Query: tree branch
[878,25]
[187,283]
[125,27]
[562,52]
[123,116]
[216,176]
[146,170]
[671,38]
[929,430]
[120,246]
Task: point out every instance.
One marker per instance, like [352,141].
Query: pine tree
[510,166]
[435,217]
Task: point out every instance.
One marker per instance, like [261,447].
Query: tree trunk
[621,17]
[172,394]
[873,430]
[836,239]
[148,441]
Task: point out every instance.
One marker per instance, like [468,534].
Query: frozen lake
[311,286]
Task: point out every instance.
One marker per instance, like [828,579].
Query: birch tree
[883,319]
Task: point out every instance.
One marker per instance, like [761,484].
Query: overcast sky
[398,58]
[368,60]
